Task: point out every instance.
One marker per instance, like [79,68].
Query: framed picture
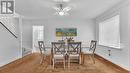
[60,32]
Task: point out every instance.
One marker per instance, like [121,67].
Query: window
[38,32]
[109,32]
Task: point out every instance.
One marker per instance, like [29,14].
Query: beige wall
[9,45]
[85,30]
[120,56]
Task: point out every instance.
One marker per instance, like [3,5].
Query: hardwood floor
[31,64]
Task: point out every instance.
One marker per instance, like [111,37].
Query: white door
[38,35]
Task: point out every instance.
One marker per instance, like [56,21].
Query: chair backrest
[93,45]
[41,46]
[58,48]
[74,47]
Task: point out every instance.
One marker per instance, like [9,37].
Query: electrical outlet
[109,52]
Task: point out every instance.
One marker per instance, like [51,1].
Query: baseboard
[110,63]
[9,61]
[27,53]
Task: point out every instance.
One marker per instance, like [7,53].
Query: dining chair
[42,50]
[74,52]
[58,52]
[91,50]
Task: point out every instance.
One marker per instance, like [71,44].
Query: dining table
[49,50]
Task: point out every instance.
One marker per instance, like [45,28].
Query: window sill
[110,47]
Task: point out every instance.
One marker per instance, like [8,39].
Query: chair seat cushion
[74,56]
[88,52]
[56,56]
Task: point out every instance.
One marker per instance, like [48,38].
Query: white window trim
[104,21]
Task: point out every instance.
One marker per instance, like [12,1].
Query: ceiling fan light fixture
[67,9]
[61,13]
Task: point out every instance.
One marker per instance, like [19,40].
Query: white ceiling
[81,8]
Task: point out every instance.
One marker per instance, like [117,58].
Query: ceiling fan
[62,7]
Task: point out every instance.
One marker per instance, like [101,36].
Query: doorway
[38,35]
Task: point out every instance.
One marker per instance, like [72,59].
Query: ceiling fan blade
[56,8]
[67,9]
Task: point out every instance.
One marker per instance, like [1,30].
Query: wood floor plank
[31,64]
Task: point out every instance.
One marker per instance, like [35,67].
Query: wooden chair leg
[64,63]
[50,60]
[42,58]
[93,59]
[68,62]
[90,57]
[80,60]
[53,63]
[45,56]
